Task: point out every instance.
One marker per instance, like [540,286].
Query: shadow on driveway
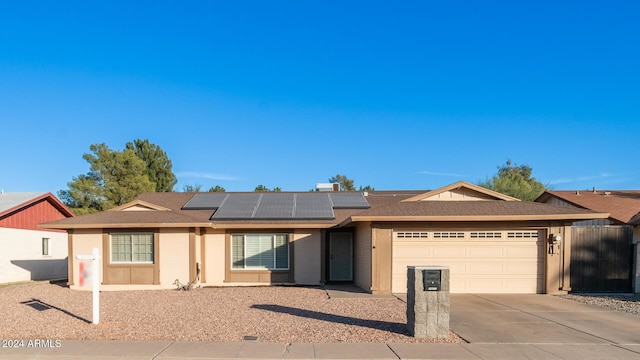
[398,328]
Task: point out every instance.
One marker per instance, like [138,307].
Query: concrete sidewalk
[74,349]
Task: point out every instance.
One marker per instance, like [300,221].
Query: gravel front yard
[273,314]
[620,302]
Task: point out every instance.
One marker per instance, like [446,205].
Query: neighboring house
[28,252]
[604,250]
[491,242]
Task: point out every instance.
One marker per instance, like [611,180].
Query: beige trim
[382,259]
[203,257]
[130,274]
[192,255]
[70,258]
[568,217]
[566,259]
[461,184]
[140,203]
[238,226]
[259,276]
[156,257]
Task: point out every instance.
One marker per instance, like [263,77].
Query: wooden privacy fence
[601,258]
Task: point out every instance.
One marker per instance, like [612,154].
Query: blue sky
[396,95]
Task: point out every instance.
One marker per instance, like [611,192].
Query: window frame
[45,246]
[153,250]
[274,238]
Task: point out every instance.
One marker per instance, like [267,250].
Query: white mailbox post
[95,281]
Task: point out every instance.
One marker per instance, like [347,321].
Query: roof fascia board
[547,195]
[568,217]
[460,184]
[46,196]
[185,225]
[140,203]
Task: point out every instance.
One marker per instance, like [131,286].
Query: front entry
[341,256]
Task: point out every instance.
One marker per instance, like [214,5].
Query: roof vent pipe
[594,189]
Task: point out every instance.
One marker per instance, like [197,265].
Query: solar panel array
[208,201]
[313,206]
[238,206]
[348,200]
[276,206]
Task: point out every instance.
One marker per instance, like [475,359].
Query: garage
[500,261]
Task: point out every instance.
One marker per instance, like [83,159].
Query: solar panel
[275,206]
[354,200]
[207,201]
[313,206]
[238,206]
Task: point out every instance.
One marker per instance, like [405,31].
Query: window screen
[260,251]
[136,248]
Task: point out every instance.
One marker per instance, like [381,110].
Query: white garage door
[479,261]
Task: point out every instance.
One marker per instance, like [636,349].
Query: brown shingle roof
[385,206]
[623,205]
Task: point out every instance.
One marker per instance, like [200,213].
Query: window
[450,235]
[132,248]
[486,235]
[260,251]
[412,235]
[522,234]
[45,246]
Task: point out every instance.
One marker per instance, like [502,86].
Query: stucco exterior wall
[307,259]
[362,256]
[174,257]
[83,243]
[21,257]
[215,263]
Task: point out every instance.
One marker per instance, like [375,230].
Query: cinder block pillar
[428,304]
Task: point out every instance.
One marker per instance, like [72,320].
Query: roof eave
[472,218]
[49,196]
[185,225]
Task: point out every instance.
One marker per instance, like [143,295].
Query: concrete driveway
[539,319]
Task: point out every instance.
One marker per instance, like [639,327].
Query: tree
[515,181]
[114,178]
[83,196]
[266,189]
[192,188]
[261,188]
[198,188]
[158,164]
[346,184]
[217,188]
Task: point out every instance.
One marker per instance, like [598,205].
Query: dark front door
[340,257]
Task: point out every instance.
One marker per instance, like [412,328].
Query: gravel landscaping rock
[620,302]
[286,314]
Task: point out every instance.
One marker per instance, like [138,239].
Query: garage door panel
[486,268]
[495,265]
[485,251]
[529,251]
[412,252]
[523,268]
[448,251]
